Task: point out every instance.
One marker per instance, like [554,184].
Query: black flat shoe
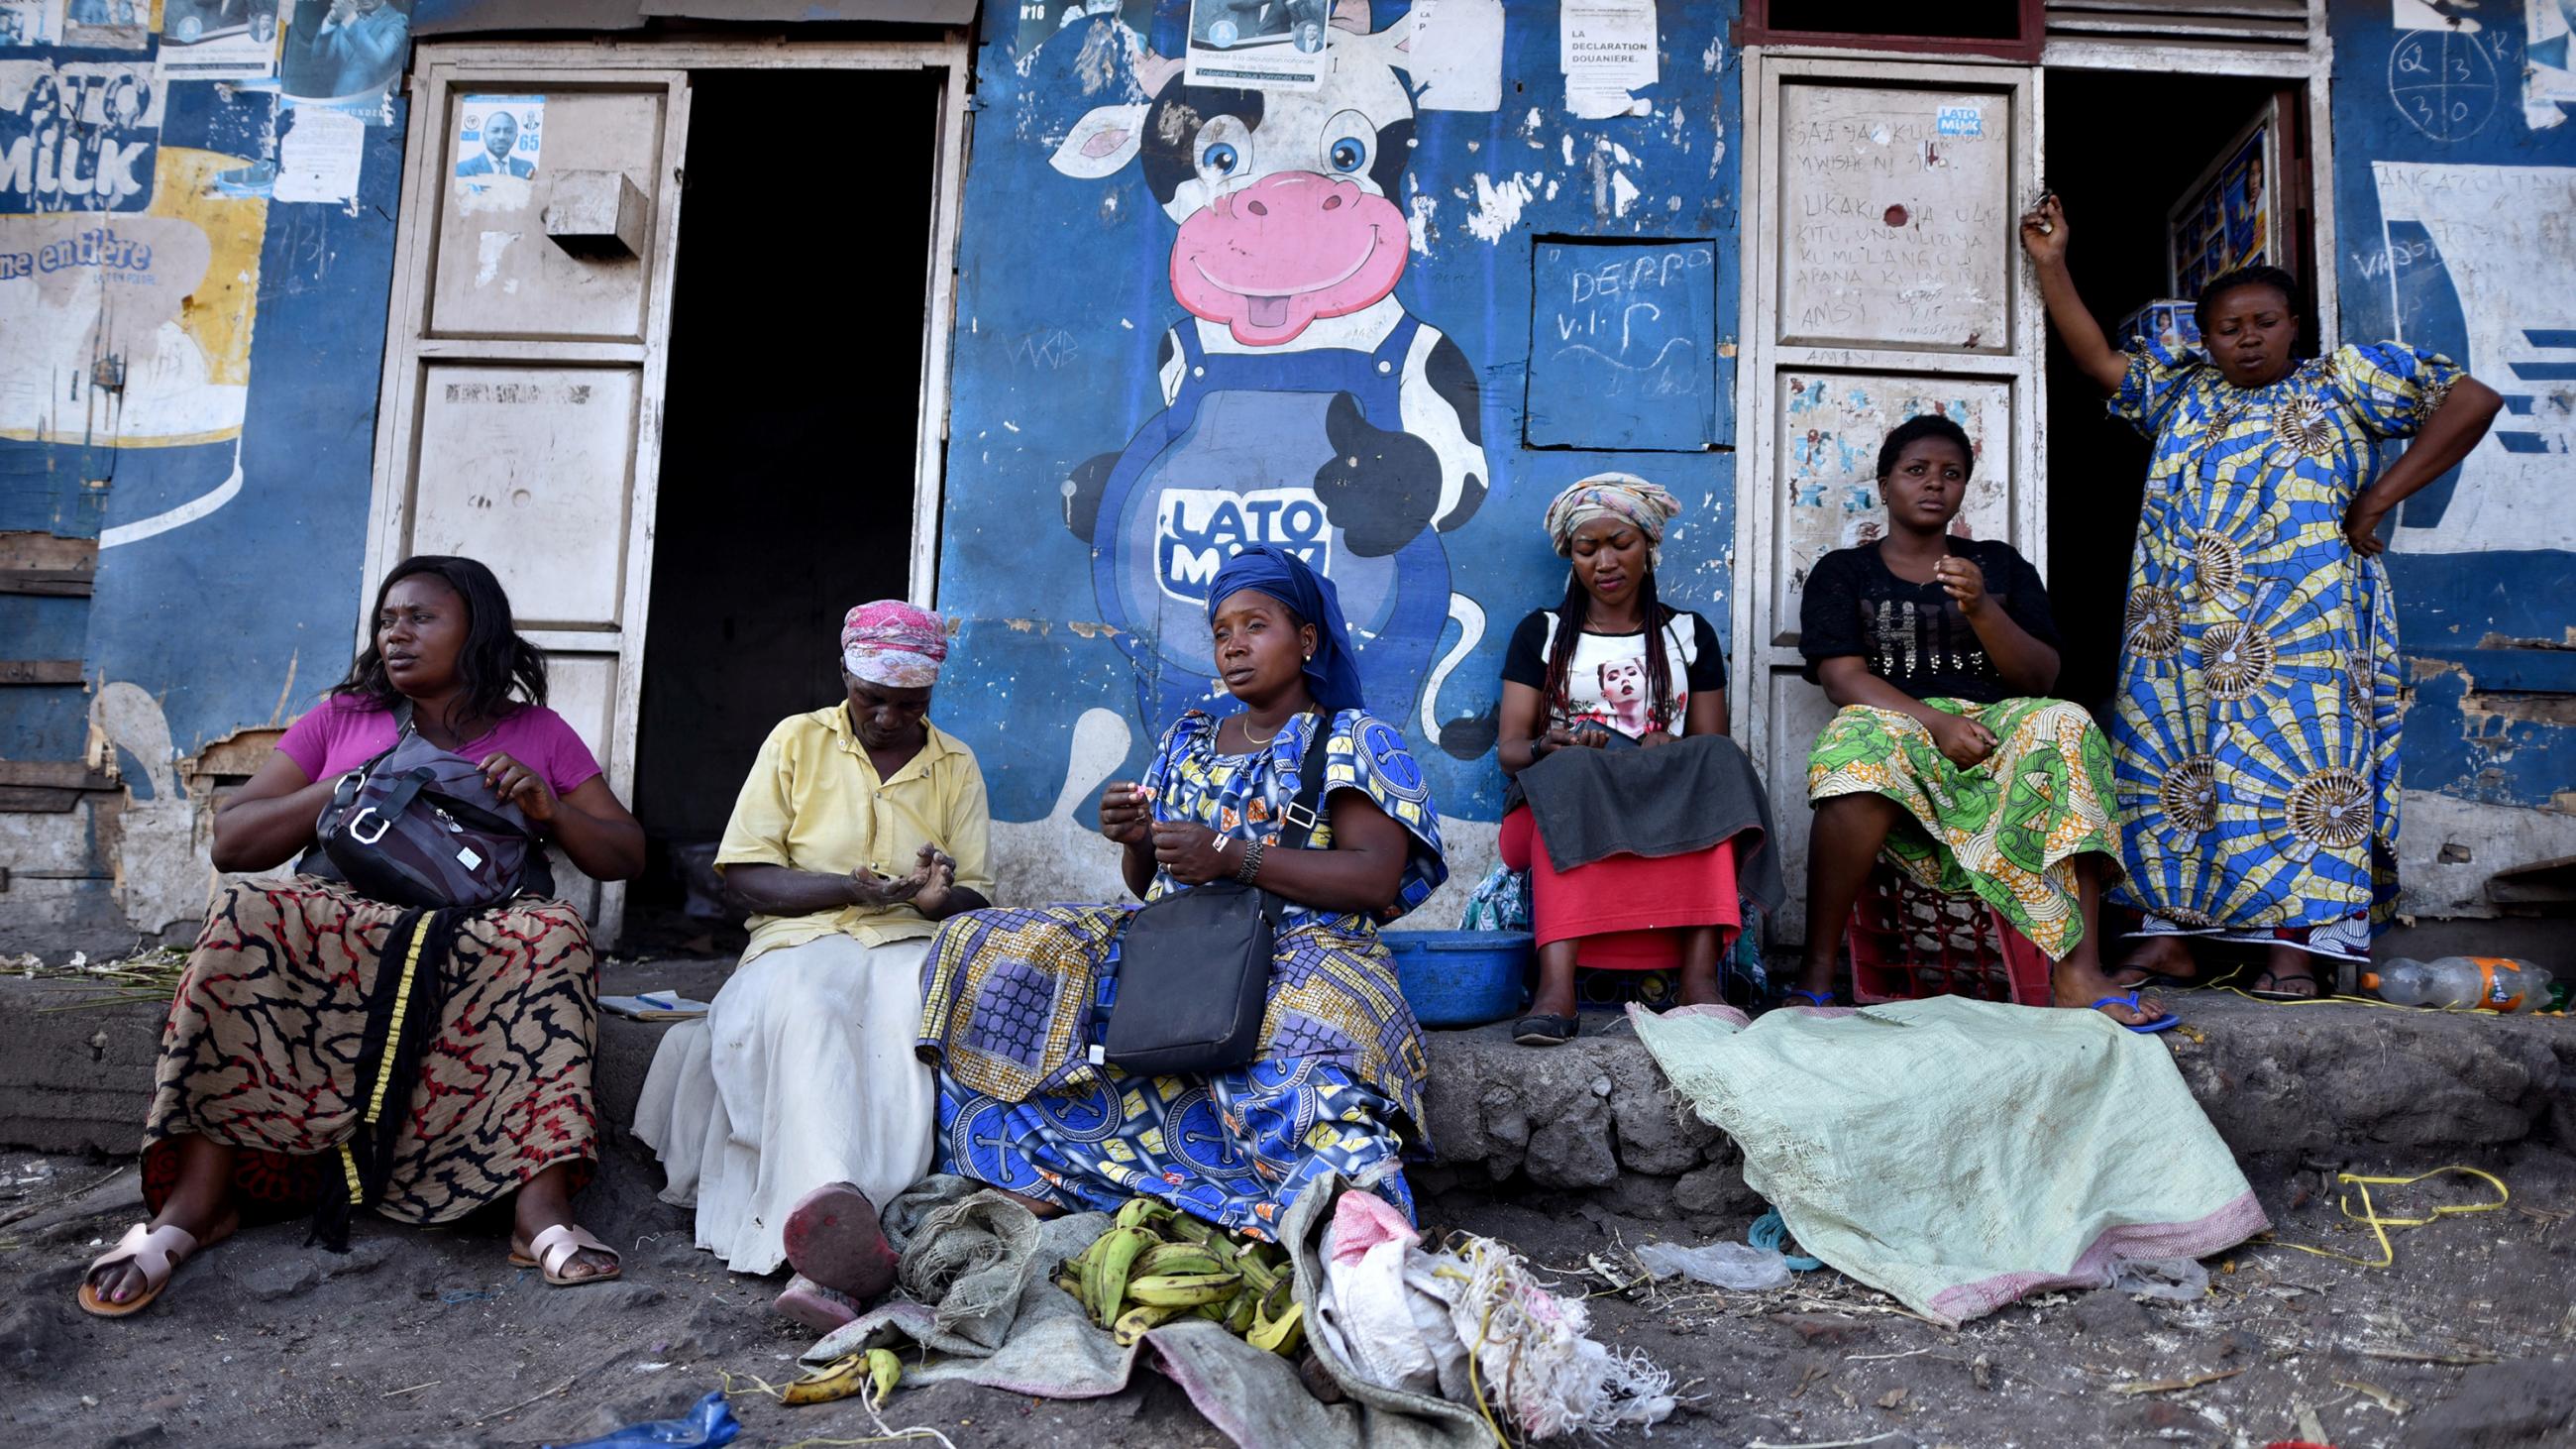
[1541,1030]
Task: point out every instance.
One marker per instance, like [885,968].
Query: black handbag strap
[1302,821]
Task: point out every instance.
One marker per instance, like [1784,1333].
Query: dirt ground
[430,1339]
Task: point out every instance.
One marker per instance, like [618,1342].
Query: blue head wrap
[1333,674]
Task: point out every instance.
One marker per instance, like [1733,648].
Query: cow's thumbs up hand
[1378,488]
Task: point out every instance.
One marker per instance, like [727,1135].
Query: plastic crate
[1908,942]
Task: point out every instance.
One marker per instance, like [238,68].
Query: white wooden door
[520,421]
[1887,280]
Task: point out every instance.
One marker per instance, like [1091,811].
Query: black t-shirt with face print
[1913,635]
[1606,682]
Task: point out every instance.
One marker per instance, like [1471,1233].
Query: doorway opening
[789,437]
[2124,147]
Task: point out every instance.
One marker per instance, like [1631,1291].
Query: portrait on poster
[499,140]
[234,40]
[1259,44]
[343,51]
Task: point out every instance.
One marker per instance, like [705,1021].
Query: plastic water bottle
[2487,983]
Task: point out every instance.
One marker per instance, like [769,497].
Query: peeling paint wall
[2455,210]
[189,386]
[1095,471]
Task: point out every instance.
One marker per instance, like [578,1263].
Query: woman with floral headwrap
[1614,666]
[797,1107]
[1335,1081]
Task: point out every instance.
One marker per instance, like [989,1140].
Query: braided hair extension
[1569,633]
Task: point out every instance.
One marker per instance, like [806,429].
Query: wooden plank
[40,671]
[47,564]
[24,800]
[55,775]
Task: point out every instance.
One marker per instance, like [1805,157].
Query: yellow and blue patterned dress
[2254,746]
[1014,998]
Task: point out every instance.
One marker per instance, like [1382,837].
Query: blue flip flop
[1814,998]
[2169,1019]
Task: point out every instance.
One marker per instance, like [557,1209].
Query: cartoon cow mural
[1303,404]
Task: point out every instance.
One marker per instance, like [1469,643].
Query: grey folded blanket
[1670,800]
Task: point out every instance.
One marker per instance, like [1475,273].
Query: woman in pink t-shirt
[256,1110]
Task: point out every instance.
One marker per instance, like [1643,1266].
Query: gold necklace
[1248,738]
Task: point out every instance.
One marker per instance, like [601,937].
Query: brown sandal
[557,1246]
[157,1251]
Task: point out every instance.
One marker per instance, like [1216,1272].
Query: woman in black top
[1946,755]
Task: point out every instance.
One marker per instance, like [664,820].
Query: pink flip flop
[833,1237]
[157,1251]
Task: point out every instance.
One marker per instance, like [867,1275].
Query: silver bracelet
[1251,866]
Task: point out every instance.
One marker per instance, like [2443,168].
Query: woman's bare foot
[1555,993]
[2287,971]
[545,1201]
[124,1282]
[1700,983]
[2159,956]
[2078,984]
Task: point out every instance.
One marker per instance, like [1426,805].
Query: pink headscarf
[894,644]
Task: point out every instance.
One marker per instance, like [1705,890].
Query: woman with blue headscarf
[1012,996]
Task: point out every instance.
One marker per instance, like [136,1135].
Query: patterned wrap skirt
[261,1052]
[2007,829]
[1013,999]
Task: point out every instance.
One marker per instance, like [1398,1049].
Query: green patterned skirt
[2006,830]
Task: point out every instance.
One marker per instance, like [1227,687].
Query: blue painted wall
[214,616]
[1065,297]
[2474,591]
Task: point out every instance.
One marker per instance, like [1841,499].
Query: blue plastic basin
[1462,978]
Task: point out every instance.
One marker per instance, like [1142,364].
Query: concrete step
[2329,1080]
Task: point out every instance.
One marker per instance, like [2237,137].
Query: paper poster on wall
[166,296]
[232,40]
[318,157]
[344,52]
[25,24]
[77,137]
[1277,45]
[107,24]
[1607,50]
[2549,77]
[1456,54]
[1040,20]
[498,142]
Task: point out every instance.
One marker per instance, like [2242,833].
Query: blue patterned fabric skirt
[1015,998]
[1234,1149]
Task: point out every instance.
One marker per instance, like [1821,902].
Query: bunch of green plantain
[1159,1264]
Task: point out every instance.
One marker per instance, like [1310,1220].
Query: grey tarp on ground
[1668,800]
[1050,1349]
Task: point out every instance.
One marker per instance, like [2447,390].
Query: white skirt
[802,1074]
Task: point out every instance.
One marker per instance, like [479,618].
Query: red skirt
[1628,910]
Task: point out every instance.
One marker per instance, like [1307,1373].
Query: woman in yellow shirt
[797,1107]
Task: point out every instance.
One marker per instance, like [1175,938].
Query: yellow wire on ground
[2379,1226]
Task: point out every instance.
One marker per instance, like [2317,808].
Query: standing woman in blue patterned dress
[1335,1083]
[2255,744]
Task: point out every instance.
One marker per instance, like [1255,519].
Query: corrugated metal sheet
[468,17]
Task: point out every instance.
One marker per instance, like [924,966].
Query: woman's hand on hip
[1192,853]
[1127,813]
[2361,525]
[520,786]
[1962,741]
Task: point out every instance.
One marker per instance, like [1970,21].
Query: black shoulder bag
[1194,969]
